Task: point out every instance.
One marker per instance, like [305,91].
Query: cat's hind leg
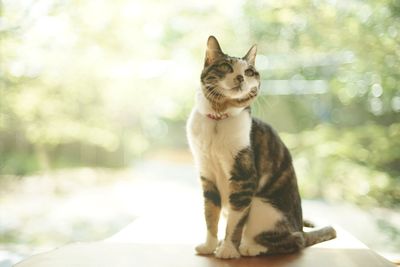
[262,218]
[251,248]
[281,242]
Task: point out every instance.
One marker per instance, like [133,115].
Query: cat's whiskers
[257,104]
[262,103]
[217,97]
[210,95]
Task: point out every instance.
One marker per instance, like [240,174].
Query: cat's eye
[249,72]
[225,67]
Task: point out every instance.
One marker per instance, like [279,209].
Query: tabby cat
[244,166]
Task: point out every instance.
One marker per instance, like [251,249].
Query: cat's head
[229,81]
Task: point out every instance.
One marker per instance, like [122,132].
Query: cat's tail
[319,235]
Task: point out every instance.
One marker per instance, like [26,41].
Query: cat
[244,166]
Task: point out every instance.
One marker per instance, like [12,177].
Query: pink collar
[218,117]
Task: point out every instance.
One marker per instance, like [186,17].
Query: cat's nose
[239,78]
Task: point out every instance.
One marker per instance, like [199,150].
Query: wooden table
[167,237]
[345,251]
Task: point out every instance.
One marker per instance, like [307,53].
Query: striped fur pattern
[244,166]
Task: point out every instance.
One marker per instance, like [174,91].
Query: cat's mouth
[237,88]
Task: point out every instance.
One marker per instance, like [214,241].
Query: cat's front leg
[242,186]
[212,210]
[228,248]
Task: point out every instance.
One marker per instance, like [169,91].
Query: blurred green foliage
[100,83]
[357,164]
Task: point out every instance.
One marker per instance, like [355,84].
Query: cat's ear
[250,57]
[213,51]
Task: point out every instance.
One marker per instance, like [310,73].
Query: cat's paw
[247,249]
[227,251]
[206,248]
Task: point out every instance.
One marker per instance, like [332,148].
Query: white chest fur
[215,144]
